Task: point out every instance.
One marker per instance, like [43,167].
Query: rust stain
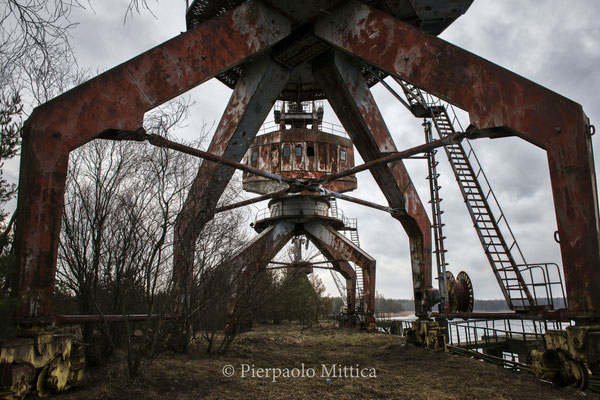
[342,81]
[327,152]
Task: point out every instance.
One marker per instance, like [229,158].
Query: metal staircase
[350,230]
[496,247]
[354,233]
[333,208]
[495,235]
[360,297]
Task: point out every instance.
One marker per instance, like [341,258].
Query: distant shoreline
[396,314]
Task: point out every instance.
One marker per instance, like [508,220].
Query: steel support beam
[110,104]
[345,269]
[256,254]
[499,103]
[350,287]
[252,99]
[338,246]
[343,83]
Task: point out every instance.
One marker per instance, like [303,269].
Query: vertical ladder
[350,230]
[436,212]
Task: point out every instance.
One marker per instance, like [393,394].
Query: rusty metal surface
[251,201]
[259,251]
[356,200]
[346,270]
[268,156]
[352,101]
[339,246]
[116,100]
[54,363]
[431,16]
[36,348]
[253,258]
[499,103]
[249,105]
[63,319]
[297,209]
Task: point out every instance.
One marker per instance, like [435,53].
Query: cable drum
[460,292]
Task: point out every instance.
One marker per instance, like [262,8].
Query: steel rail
[160,141]
[341,196]
[251,201]
[400,155]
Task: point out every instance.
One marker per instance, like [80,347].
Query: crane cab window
[286,151]
[343,154]
[310,150]
[298,150]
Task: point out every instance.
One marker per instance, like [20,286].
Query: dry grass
[403,372]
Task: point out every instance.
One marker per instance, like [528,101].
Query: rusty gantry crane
[270,50]
[298,147]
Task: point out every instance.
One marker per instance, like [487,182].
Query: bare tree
[9,145]
[114,254]
[213,278]
[10,141]
[34,47]
[136,6]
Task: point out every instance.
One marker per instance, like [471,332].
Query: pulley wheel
[460,292]
[465,287]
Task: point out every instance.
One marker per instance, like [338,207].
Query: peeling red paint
[340,247]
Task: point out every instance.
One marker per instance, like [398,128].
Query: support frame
[500,103]
[109,106]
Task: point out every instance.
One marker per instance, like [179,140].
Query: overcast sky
[553,42]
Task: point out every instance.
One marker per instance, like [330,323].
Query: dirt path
[402,372]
